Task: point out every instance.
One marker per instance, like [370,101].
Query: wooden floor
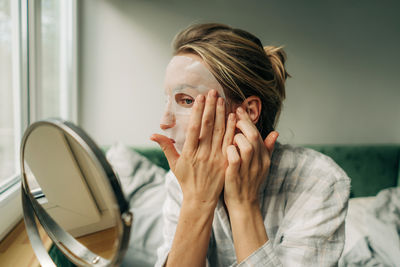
[16,250]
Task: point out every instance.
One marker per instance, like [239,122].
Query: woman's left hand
[248,165]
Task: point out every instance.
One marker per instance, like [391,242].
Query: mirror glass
[63,176]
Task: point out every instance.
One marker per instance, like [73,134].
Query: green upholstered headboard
[370,167]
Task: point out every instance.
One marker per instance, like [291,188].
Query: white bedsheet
[356,226]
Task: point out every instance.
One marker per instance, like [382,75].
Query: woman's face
[186,77]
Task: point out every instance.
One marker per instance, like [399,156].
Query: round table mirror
[69,186]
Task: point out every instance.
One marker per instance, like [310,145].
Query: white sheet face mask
[185,79]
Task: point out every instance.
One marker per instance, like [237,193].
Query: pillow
[143,185]
[373,230]
[355,225]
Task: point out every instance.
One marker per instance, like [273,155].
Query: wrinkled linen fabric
[355,225]
[379,243]
[143,185]
[303,202]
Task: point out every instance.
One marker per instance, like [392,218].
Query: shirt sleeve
[171,210]
[312,231]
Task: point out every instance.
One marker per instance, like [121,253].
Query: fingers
[246,150]
[168,147]
[207,123]
[270,141]
[229,132]
[250,131]
[247,127]
[233,161]
[193,132]
[219,125]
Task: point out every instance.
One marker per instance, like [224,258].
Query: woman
[235,195]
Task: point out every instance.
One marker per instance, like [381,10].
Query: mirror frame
[72,249]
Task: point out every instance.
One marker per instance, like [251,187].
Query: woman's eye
[188,101]
[184,100]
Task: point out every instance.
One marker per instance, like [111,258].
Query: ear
[253,106]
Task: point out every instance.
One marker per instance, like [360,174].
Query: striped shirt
[303,202]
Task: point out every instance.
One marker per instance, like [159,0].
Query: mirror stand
[87,166]
[33,233]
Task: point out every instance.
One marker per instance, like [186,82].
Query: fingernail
[220,101]
[232,117]
[212,93]
[240,110]
[200,98]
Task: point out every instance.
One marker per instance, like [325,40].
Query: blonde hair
[242,66]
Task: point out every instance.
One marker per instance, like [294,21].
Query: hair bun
[274,51]
[277,56]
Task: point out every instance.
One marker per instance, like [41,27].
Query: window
[37,81]
[55,60]
[8,162]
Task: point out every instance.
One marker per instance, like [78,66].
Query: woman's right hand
[200,169]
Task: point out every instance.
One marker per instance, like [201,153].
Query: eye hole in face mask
[184,100]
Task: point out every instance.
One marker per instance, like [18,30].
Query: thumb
[167,147]
[270,140]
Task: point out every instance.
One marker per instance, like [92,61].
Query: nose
[167,120]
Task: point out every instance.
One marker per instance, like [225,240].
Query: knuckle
[218,130]
[201,157]
[247,149]
[207,121]
[253,136]
[194,127]
[254,172]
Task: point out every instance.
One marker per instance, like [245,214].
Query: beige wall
[343,59]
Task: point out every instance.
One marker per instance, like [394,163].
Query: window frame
[26,78]
[10,202]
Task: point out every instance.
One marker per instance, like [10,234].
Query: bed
[372,224]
